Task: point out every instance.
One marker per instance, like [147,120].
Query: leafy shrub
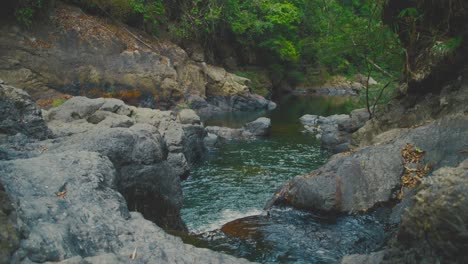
[26,10]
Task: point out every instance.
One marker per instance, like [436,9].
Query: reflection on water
[238,178]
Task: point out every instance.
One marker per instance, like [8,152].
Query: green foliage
[260,82]
[26,10]
[149,12]
[58,102]
[448,46]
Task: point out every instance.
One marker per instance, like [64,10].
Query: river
[239,177]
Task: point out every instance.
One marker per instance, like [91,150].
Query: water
[238,178]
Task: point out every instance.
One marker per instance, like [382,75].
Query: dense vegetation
[300,40]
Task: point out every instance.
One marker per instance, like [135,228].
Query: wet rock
[70,210]
[359,180]
[18,114]
[335,131]
[225,133]
[261,127]
[246,102]
[211,140]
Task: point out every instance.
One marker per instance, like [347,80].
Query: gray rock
[91,218]
[77,107]
[271,105]
[260,127]
[19,114]
[359,180]
[335,131]
[188,116]
[109,119]
[373,258]
[433,228]
[225,133]
[211,140]
[9,235]
[117,106]
[196,102]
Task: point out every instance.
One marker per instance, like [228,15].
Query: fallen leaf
[61,194]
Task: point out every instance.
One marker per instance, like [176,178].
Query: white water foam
[226,216]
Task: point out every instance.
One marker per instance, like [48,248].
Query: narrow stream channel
[238,178]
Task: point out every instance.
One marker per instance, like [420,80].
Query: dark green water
[238,178]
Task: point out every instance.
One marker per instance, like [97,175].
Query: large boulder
[152,150]
[70,211]
[433,229]
[19,114]
[359,180]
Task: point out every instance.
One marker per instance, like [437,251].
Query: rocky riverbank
[80,54]
[83,183]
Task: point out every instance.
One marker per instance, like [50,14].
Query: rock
[225,133]
[271,105]
[335,131]
[363,79]
[260,127]
[222,83]
[373,258]
[359,180]
[90,219]
[109,119]
[141,144]
[63,57]
[188,116]
[19,114]
[432,229]
[329,130]
[117,106]
[211,140]
[247,103]
[75,108]
[196,102]
[9,235]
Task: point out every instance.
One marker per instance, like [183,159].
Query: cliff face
[434,35]
[80,54]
